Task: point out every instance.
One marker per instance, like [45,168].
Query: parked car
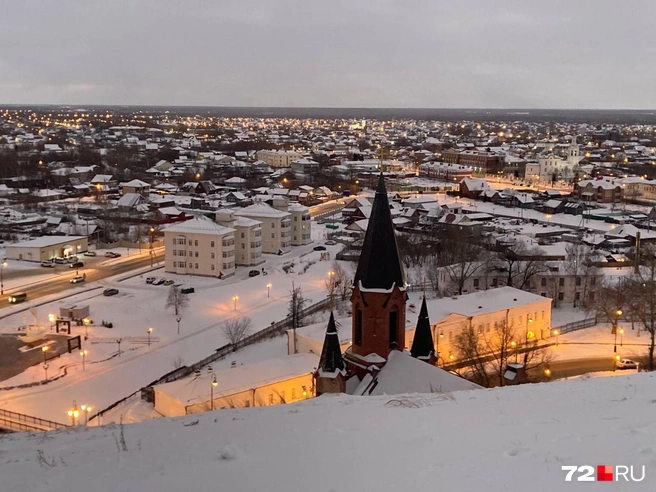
[320,248]
[48,264]
[111,254]
[159,281]
[77,264]
[90,253]
[110,292]
[253,273]
[60,261]
[78,279]
[168,282]
[330,242]
[188,290]
[150,280]
[71,259]
[627,364]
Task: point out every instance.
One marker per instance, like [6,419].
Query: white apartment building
[200,246]
[301,224]
[248,237]
[279,158]
[276,226]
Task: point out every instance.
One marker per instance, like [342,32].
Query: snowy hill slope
[485,440]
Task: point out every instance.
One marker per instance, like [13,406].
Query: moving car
[330,242]
[71,259]
[110,292]
[168,282]
[150,280]
[627,364]
[320,248]
[253,273]
[78,279]
[111,254]
[77,264]
[90,253]
[48,264]
[16,298]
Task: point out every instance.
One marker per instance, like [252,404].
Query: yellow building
[270,382]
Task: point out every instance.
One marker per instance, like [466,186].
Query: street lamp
[437,348]
[52,318]
[513,344]
[45,369]
[235,298]
[152,231]
[74,413]
[2,281]
[616,359]
[268,289]
[618,313]
[557,333]
[150,330]
[86,409]
[44,349]
[547,372]
[178,319]
[213,384]
[84,354]
[86,322]
[118,341]
[621,337]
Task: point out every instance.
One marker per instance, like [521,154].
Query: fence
[576,325]
[274,329]
[20,422]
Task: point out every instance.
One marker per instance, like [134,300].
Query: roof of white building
[246,222]
[44,241]
[135,183]
[297,207]
[260,209]
[482,302]
[199,225]
[194,390]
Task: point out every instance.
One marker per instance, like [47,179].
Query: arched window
[357,339]
[393,332]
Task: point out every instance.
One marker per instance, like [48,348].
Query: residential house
[135,186]
[248,237]
[276,226]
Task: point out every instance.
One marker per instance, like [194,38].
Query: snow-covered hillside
[512,438]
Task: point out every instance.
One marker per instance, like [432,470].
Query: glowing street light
[235,298]
[437,347]
[621,337]
[86,409]
[557,333]
[149,330]
[547,372]
[44,349]
[74,413]
[618,313]
[2,282]
[616,359]
[84,354]
[268,289]
[86,322]
[52,318]
[513,344]
[213,384]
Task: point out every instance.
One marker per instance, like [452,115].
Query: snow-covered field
[504,439]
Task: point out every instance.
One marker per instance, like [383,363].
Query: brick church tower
[379,294]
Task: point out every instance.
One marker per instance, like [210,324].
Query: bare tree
[611,301]
[340,282]
[522,264]
[176,300]
[295,310]
[490,350]
[581,261]
[642,300]
[462,257]
[237,329]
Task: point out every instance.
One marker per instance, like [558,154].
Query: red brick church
[371,365]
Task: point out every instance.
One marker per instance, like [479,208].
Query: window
[544,294]
[577,296]
[196,242]
[293,393]
[195,254]
[561,296]
[542,314]
[476,283]
[273,224]
[392,329]
[175,253]
[358,327]
[561,282]
[270,398]
[543,282]
[243,245]
[175,264]
[578,281]
[211,244]
[212,266]
[591,296]
[196,266]
[480,328]
[593,281]
[247,403]
[212,255]
[487,327]
[242,235]
[273,235]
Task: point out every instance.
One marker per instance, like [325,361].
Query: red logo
[604,473]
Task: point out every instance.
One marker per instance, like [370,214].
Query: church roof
[422,344]
[331,360]
[380,265]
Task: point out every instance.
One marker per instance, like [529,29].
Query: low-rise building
[301,224]
[135,186]
[248,237]
[47,247]
[276,226]
[279,158]
[200,246]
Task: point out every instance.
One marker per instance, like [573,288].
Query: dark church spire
[331,359]
[380,265]
[422,345]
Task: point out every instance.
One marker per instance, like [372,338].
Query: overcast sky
[333,53]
